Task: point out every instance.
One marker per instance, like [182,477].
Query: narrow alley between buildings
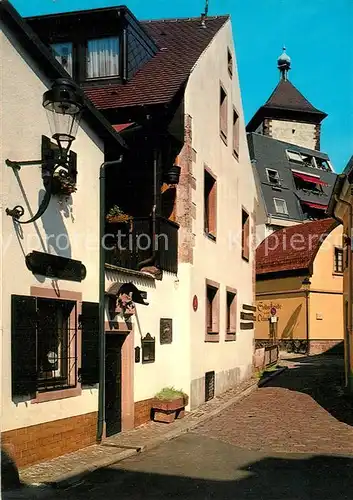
[290,439]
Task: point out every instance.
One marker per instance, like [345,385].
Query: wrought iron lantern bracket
[64,104]
[52,160]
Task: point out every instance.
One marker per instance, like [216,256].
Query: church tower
[287,115]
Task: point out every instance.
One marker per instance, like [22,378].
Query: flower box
[118,218]
[167,410]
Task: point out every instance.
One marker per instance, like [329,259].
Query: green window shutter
[23,345]
[89,372]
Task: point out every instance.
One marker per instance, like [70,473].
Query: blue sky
[317,34]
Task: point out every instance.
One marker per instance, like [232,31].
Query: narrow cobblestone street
[290,439]
[302,410]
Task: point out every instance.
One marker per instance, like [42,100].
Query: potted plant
[116,214]
[63,183]
[169,404]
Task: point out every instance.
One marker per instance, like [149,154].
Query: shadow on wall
[288,331]
[58,241]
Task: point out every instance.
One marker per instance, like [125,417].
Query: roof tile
[292,247]
[286,96]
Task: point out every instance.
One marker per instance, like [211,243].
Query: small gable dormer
[94,46]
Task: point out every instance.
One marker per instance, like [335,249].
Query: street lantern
[64,104]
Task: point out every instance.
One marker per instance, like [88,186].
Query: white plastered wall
[23,123]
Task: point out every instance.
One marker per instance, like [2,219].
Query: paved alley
[291,440]
[302,410]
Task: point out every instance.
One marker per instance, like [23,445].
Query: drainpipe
[306,284]
[101,393]
[348,329]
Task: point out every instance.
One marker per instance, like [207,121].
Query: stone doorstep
[126,445]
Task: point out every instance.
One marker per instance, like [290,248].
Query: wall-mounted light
[172,175]
[64,104]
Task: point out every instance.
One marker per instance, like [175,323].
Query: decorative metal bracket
[52,159]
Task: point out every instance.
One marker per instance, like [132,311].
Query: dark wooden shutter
[245,235]
[89,373]
[23,345]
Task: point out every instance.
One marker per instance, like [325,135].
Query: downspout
[348,330]
[307,318]
[101,331]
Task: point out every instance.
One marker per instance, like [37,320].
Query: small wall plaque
[166,331]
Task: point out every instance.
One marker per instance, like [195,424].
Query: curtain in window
[103,57]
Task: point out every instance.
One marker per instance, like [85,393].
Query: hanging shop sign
[53,266]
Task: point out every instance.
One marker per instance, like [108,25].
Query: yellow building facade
[299,287]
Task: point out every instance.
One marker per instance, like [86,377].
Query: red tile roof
[181,43]
[286,96]
[292,248]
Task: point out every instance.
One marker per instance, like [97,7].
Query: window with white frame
[338,260]
[294,156]
[309,160]
[273,176]
[280,206]
[103,57]
[63,54]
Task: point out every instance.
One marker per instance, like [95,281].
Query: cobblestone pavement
[302,410]
[115,447]
[290,440]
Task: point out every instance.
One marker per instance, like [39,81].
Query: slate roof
[292,248]
[271,153]
[52,69]
[181,43]
[288,97]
